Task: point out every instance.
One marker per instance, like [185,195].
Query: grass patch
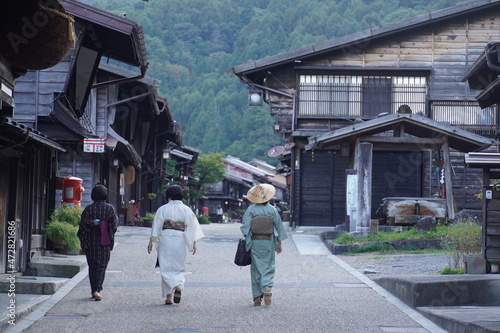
[374,248]
[449,270]
[345,238]
[457,240]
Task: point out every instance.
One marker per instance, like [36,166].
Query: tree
[208,169]
[192,43]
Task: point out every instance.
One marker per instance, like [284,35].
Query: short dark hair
[174,192]
[99,193]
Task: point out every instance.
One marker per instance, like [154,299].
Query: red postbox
[72,190]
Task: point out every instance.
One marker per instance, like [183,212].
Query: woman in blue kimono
[263,231]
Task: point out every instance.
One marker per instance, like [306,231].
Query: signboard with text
[93,145]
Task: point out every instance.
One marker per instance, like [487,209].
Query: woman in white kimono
[175,231]
[263,231]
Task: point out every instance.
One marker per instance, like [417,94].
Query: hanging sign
[93,145]
[122,184]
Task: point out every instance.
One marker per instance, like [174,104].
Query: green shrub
[63,233]
[203,219]
[63,225]
[462,238]
[149,216]
[67,214]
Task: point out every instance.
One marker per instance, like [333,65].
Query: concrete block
[32,285]
[443,290]
[475,264]
[57,267]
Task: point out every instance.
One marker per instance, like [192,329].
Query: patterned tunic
[98,255]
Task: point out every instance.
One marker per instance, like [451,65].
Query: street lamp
[254,96]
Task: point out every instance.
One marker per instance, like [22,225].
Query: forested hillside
[192,43]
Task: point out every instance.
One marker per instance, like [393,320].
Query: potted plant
[148,219]
[495,266]
[63,235]
[62,228]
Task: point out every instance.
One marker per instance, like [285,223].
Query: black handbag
[242,257]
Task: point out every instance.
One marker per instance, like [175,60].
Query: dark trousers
[97,259]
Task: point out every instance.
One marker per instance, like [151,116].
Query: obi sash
[262,227]
[176,225]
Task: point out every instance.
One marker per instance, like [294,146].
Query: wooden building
[417,63]
[483,78]
[27,155]
[102,109]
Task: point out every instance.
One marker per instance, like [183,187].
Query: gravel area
[376,265]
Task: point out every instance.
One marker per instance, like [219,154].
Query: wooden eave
[122,39]
[427,132]
[126,73]
[482,160]
[118,143]
[15,135]
[150,84]
[478,69]
[490,94]
[363,37]
[481,75]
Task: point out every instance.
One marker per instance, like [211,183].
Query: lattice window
[466,115]
[359,96]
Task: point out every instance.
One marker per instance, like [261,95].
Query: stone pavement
[314,291]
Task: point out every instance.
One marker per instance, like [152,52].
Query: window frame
[352,89]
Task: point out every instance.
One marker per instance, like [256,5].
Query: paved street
[314,292]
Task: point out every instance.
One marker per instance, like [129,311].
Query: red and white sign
[93,145]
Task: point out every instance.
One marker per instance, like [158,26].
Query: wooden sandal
[97,296]
[177,296]
[267,296]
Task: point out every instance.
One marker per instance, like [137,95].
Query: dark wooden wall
[321,200]
[491,229]
[35,91]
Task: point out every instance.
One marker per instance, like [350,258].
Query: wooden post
[448,183]
[486,182]
[363,161]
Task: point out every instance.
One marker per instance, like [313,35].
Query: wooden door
[322,188]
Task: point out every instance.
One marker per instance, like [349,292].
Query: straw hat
[261,193]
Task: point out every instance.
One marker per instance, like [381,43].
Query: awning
[415,125]
[482,160]
[65,117]
[13,128]
[490,95]
[240,180]
[123,38]
[181,154]
[116,142]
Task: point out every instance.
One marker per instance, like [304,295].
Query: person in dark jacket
[98,225]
